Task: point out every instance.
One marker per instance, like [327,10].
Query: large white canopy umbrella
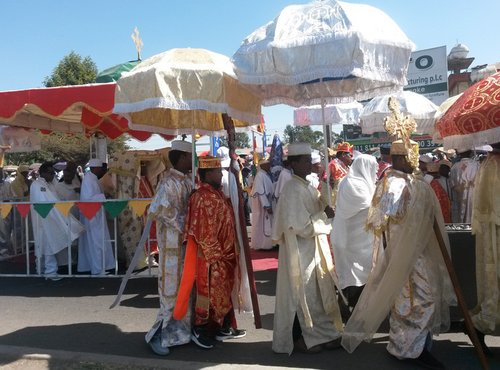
[182,90]
[335,114]
[418,106]
[324,52]
[355,51]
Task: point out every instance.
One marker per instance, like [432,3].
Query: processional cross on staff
[396,124]
[138,42]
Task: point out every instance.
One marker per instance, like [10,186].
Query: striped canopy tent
[83,109]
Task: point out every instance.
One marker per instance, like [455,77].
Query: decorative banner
[64,208]
[114,208]
[139,206]
[5,209]
[23,209]
[43,209]
[89,209]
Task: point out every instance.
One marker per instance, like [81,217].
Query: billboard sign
[428,74]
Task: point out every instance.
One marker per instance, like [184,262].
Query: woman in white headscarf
[352,244]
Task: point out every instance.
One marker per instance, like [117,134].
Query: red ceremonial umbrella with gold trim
[68,109]
[474,118]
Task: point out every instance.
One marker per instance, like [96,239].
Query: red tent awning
[70,109]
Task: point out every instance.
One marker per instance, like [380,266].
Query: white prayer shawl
[305,285]
[284,177]
[54,232]
[241,293]
[404,207]
[352,244]
[262,194]
[94,244]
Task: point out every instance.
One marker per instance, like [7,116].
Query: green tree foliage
[241,140]
[305,134]
[72,70]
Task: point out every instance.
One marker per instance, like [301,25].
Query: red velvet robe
[210,222]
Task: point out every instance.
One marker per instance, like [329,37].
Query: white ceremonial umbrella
[356,51]
[182,90]
[418,106]
[324,52]
[335,114]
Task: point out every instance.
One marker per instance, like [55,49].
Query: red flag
[89,209]
[23,209]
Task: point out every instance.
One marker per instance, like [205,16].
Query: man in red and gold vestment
[339,167]
[210,230]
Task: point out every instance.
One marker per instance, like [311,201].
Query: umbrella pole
[326,128]
[228,125]
[193,157]
[471,331]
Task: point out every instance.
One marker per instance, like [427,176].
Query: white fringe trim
[151,103]
[470,141]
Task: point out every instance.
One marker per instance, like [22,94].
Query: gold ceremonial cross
[138,42]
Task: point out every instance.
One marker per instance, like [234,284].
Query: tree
[241,140]
[293,134]
[71,70]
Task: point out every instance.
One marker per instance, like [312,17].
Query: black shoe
[230,333]
[427,361]
[199,337]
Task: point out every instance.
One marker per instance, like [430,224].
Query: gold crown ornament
[401,127]
[209,162]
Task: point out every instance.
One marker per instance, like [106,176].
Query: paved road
[68,325]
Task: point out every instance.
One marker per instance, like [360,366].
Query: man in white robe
[284,177]
[95,253]
[352,244]
[169,207]
[306,316]
[262,207]
[409,278]
[54,232]
[462,176]
[486,228]
[241,294]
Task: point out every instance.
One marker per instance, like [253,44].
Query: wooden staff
[471,331]
[229,126]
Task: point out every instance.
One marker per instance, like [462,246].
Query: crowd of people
[360,237]
[53,230]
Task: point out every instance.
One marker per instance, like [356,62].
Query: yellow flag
[5,209]
[64,208]
[139,206]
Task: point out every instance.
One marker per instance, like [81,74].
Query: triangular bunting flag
[5,209]
[43,209]
[64,208]
[139,206]
[23,209]
[115,207]
[89,209]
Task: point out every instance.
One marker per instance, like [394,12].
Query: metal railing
[18,247]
